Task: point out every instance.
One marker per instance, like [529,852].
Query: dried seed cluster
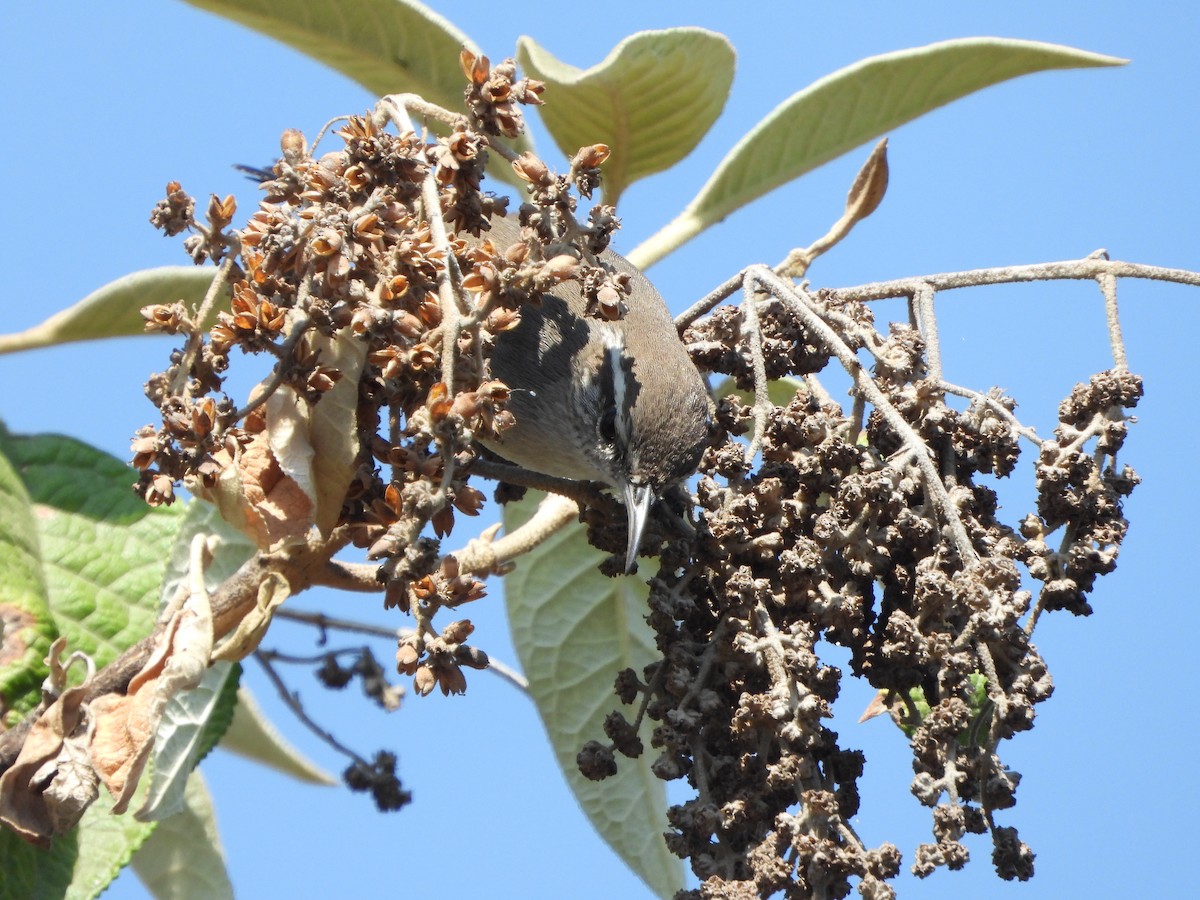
[840,534]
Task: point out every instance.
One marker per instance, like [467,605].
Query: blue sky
[103,108]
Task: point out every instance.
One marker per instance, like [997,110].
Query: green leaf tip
[849,107]
[651,99]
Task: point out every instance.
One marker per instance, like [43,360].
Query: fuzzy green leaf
[574,629]
[392,47]
[183,859]
[650,100]
[26,624]
[114,310]
[106,845]
[108,548]
[854,105]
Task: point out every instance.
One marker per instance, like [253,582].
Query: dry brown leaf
[256,496]
[273,590]
[334,428]
[46,790]
[123,736]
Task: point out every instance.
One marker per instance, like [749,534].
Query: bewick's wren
[616,402]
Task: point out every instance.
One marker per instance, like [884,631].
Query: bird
[617,402]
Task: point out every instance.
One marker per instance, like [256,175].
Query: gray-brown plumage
[615,402]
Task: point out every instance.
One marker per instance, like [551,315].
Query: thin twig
[762,402]
[292,701]
[344,576]
[324,622]
[927,318]
[279,373]
[1075,269]
[709,301]
[196,339]
[1108,286]
[992,403]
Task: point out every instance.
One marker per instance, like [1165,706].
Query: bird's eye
[608,426]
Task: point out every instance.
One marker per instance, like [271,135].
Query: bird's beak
[638,498]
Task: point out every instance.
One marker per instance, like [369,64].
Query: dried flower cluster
[356,290]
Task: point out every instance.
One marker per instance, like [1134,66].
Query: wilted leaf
[48,787]
[574,629]
[335,430]
[272,591]
[869,185]
[650,100]
[125,724]
[253,492]
[853,105]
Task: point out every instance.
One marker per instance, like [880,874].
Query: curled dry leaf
[869,185]
[273,590]
[124,729]
[294,472]
[47,789]
[254,492]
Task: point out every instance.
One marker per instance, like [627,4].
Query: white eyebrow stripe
[614,349]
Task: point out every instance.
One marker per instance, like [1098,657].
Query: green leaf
[651,100]
[252,735]
[26,624]
[31,873]
[387,47]
[851,106]
[574,629]
[108,548]
[106,845]
[78,865]
[780,391]
[183,859]
[113,310]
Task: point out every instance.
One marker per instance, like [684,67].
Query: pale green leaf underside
[780,391]
[651,99]
[183,859]
[849,107]
[252,735]
[387,46]
[106,845]
[179,743]
[574,629]
[113,310]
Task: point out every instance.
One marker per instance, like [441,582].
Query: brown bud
[457,632]
[531,169]
[407,658]
[424,681]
